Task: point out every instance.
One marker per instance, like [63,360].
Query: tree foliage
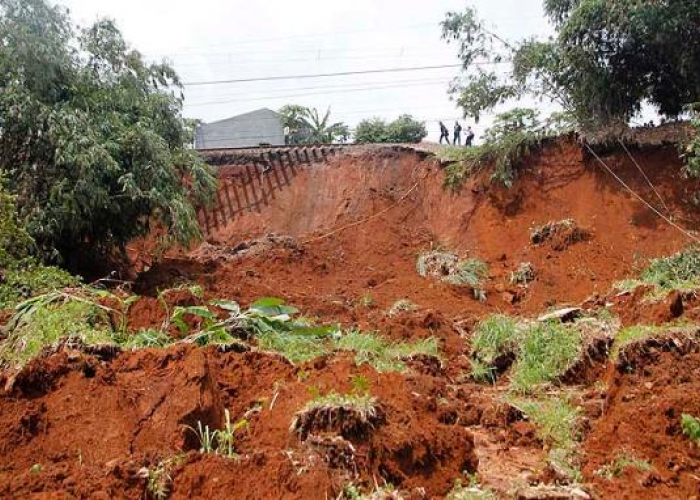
[92,140]
[405,129]
[308,126]
[606,59]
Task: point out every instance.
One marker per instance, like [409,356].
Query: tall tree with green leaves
[606,59]
[92,140]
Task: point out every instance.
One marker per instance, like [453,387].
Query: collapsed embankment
[340,241]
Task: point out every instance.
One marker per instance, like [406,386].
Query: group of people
[457,138]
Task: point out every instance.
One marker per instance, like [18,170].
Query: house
[258,128]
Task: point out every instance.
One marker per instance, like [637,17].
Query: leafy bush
[472,491]
[691,152]
[405,129]
[524,275]
[545,353]
[27,278]
[102,127]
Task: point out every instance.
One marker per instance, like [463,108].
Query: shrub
[405,129]
[554,418]
[678,271]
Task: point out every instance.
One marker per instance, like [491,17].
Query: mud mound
[560,235]
[98,427]
[649,391]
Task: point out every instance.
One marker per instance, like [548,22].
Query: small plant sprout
[402,306]
[691,427]
[622,462]
[472,491]
[219,441]
[524,275]
[367,301]
[159,479]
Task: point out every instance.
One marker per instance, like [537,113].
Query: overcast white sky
[219,40]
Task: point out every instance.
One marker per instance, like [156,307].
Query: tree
[307,126]
[607,58]
[321,130]
[405,129]
[92,140]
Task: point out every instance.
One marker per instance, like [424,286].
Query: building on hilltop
[258,128]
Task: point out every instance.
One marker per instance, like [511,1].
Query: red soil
[358,224]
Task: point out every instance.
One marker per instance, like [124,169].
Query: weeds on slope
[680,271]
[447,266]
[515,135]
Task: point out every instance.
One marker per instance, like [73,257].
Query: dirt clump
[559,235]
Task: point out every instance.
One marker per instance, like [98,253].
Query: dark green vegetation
[308,126]
[22,276]
[405,129]
[604,61]
[93,143]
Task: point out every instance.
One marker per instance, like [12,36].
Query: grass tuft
[494,337]
[546,351]
[383,355]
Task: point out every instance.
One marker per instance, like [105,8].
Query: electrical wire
[323,75]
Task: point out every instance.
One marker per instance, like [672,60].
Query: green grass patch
[556,421]
[554,418]
[47,319]
[680,271]
[546,352]
[383,355]
[296,348]
[493,337]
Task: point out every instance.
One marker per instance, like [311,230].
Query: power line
[343,91]
[323,75]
